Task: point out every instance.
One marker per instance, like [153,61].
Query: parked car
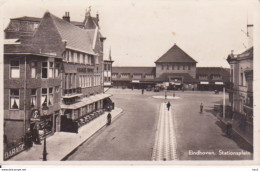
[149,88]
[156,89]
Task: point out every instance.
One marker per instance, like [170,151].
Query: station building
[52,62]
[174,69]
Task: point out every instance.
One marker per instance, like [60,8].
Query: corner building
[58,64]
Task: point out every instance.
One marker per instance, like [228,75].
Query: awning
[204,82]
[135,81]
[219,83]
[86,101]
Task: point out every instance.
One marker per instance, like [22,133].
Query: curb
[74,149]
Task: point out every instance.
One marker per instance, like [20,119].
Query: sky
[140,31]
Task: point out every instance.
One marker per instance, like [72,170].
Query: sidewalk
[61,144]
[245,134]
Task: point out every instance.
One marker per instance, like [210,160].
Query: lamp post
[45,110]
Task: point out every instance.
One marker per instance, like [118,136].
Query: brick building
[58,64]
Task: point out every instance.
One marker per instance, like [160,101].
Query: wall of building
[160,71]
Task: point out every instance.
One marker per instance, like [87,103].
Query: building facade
[174,70]
[58,65]
[241,89]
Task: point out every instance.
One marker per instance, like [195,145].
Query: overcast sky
[140,31]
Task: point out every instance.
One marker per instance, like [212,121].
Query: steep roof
[187,78]
[175,54]
[132,70]
[76,38]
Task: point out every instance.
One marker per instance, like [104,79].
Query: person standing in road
[109,117]
[201,108]
[168,105]
[142,91]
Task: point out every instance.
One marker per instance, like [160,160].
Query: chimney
[66,17]
[250,39]
[97,16]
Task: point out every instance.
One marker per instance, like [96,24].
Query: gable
[175,54]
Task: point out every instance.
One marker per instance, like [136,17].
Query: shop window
[14,99]
[51,70]
[51,97]
[57,71]
[44,97]
[33,97]
[15,69]
[33,70]
[44,69]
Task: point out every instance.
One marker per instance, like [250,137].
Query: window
[80,81]
[178,67]
[242,79]
[57,89]
[33,70]
[44,97]
[72,56]
[57,66]
[188,67]
[14,99]
[51,99]
[44,69]
[15,69]
[172,67]
[86,59]
[68,55]
[105,67]
[33,97]
[162,67]
[51,70]
[83,59]
[108,67]
[78,57]
[167,67]
[183,67]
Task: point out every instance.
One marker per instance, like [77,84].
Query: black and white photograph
[160,81]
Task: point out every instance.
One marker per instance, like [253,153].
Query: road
[132,136]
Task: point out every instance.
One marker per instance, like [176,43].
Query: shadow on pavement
[237,139]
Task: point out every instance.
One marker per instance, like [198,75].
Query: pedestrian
[36,134]
[109,117]
[142,91]
[168,105]
[201,108]
[173,94]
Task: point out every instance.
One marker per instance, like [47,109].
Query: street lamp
[45,110]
